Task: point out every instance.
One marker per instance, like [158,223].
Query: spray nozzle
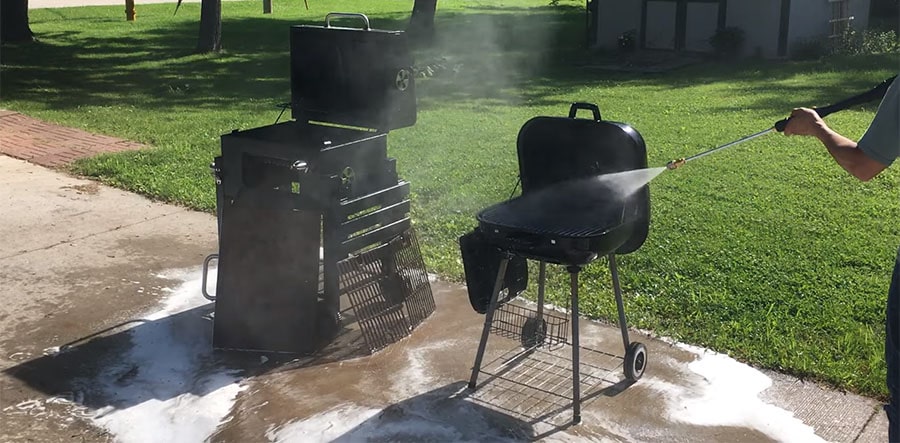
[675,164]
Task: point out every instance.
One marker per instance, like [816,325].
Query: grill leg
[623,324]
[542,278]
[330,274]
[488,319]
[576,360]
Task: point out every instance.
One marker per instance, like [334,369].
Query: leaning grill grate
[388,290]
[411,267]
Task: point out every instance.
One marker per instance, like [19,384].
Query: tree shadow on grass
[492,55]
[156,67]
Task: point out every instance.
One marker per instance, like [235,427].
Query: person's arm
[805,121]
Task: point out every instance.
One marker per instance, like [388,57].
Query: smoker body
[312,209]
[288,190]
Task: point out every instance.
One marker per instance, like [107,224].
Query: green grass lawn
[767,251]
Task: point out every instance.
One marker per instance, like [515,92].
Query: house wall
[760,21]
[860,10]
[809,19]
[615,17]
[702,20]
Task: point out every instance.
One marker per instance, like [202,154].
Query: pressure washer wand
[875,93]
[674,164]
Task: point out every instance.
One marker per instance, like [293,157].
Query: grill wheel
[533,332]
[635,361]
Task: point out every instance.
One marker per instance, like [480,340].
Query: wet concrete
[76,258]
[425,376]
[81,265]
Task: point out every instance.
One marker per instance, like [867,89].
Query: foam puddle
[728,395]
[162,388]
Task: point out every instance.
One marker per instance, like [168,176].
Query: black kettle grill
[566,216]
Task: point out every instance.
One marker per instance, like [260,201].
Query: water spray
[875,93]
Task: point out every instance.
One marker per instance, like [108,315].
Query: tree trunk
[210,26]
[421,23]
[14,22]
[130,13]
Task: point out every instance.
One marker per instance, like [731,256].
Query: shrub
[849,42]
[628,41]
[880,42]
[853,42]
[727,42]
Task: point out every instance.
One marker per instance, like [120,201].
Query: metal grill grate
[388,290]
[411,268]
[536,386]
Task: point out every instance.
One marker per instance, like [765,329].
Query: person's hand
[804,121]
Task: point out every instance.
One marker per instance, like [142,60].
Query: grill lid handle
[586,106]
[331,15]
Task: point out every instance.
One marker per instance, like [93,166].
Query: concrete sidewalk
[105,337]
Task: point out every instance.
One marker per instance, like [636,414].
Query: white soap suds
[728,394]
[164,388]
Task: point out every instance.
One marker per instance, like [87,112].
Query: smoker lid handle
[586,106]
[331,15]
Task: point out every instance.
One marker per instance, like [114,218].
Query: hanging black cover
[481,262]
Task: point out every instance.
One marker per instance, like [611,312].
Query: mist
[494,49]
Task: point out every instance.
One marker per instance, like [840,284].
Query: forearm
[847,154]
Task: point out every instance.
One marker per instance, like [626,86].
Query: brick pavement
[52,145]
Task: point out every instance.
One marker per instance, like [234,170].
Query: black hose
[873,94]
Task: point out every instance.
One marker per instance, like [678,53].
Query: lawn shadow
[156,67]
[501,55]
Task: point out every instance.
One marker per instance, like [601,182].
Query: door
[681,24]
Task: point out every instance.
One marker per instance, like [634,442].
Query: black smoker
[311,210]
[566,215]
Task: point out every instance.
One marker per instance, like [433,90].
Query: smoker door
[268,277]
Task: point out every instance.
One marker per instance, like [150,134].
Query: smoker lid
[358,77]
